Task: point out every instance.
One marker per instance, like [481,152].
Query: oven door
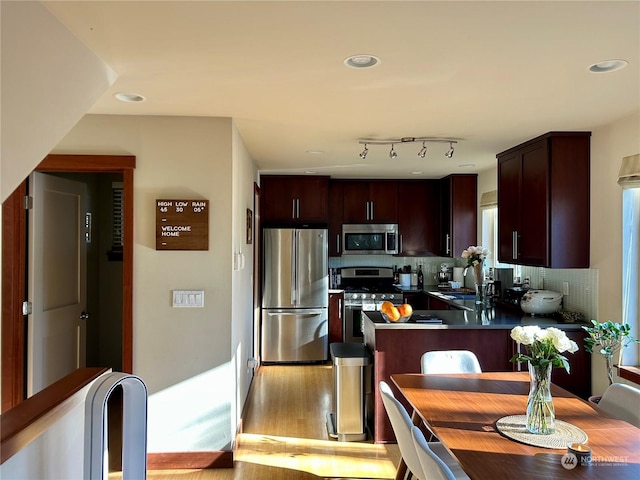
[352,326]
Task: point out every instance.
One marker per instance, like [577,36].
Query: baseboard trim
[184,460]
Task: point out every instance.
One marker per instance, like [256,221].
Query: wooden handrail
[26,421]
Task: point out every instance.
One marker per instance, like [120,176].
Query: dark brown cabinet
[370,201]
[543,201]
[417,300]
[335,218]
[336,306]
[294,199]
[419,217]
[458,206]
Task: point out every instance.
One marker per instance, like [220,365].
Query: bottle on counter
[420,278]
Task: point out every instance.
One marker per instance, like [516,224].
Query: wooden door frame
[14,255]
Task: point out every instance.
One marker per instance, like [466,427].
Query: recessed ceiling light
[466,165]
[315,152]
[362,61]
[129,97]
[607,66]
[417,173]
[310,171]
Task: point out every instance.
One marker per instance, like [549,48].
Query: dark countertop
[477,318]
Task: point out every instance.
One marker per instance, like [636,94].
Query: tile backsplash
[582,283]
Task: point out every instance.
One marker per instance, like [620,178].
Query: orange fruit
[405,310]
[386,307]
[393,315]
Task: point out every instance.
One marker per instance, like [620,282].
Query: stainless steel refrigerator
[295,295]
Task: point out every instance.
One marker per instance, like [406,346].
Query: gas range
[365,288]
[369,285]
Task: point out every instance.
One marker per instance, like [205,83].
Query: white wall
[186,356]
[56,454]
[49,80]
[244,176]
[609,144]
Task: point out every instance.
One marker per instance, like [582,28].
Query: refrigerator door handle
[307,313]
[294,268]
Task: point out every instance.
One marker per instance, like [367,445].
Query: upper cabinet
[459,218]
[370,201]
[543,201]
[290,199]
[336,189]
[419,217]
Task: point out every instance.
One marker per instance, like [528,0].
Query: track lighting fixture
[449,154]
[422,153]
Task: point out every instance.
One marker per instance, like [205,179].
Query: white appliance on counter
[295,295]
[541,302]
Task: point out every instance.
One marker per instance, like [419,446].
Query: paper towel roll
[405,279]
[457,274]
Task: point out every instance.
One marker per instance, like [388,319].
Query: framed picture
[249,226]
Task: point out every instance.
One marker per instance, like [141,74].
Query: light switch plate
[188,298]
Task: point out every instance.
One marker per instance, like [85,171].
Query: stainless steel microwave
[370,239]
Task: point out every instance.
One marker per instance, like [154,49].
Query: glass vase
[541,415]
[481,290]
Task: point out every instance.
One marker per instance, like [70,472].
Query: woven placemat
[514,427]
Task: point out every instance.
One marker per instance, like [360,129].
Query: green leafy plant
[608,339]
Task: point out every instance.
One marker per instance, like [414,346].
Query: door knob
[84,315]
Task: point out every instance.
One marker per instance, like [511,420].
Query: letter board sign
[182,224]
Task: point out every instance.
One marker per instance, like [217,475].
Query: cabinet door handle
[447,243]
[293,208]
[337,243]
[367,211]
[400,250]
[297,208]
[515,245]
[340,308]
[372,215]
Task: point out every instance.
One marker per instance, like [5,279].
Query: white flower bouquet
[475,256]
[544,346]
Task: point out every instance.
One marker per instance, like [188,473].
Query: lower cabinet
[336,311]
[417,300]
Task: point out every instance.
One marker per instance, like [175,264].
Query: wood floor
[285,436]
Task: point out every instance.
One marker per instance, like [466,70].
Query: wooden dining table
[462,410]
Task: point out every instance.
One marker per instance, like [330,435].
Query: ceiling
[488,74]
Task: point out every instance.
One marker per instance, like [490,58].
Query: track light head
[392,153]
[449,153]
[423,151]
[364,152]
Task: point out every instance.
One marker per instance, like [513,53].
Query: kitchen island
[398,347]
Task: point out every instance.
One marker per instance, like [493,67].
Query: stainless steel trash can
[351,391]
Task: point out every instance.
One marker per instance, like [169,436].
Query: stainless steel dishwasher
[351,391]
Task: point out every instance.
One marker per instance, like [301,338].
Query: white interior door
[57,280]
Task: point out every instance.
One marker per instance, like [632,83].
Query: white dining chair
[623,402]
[449,361]
[402,427]
[435,459]
[401,424]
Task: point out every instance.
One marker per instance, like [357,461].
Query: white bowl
[455,285]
